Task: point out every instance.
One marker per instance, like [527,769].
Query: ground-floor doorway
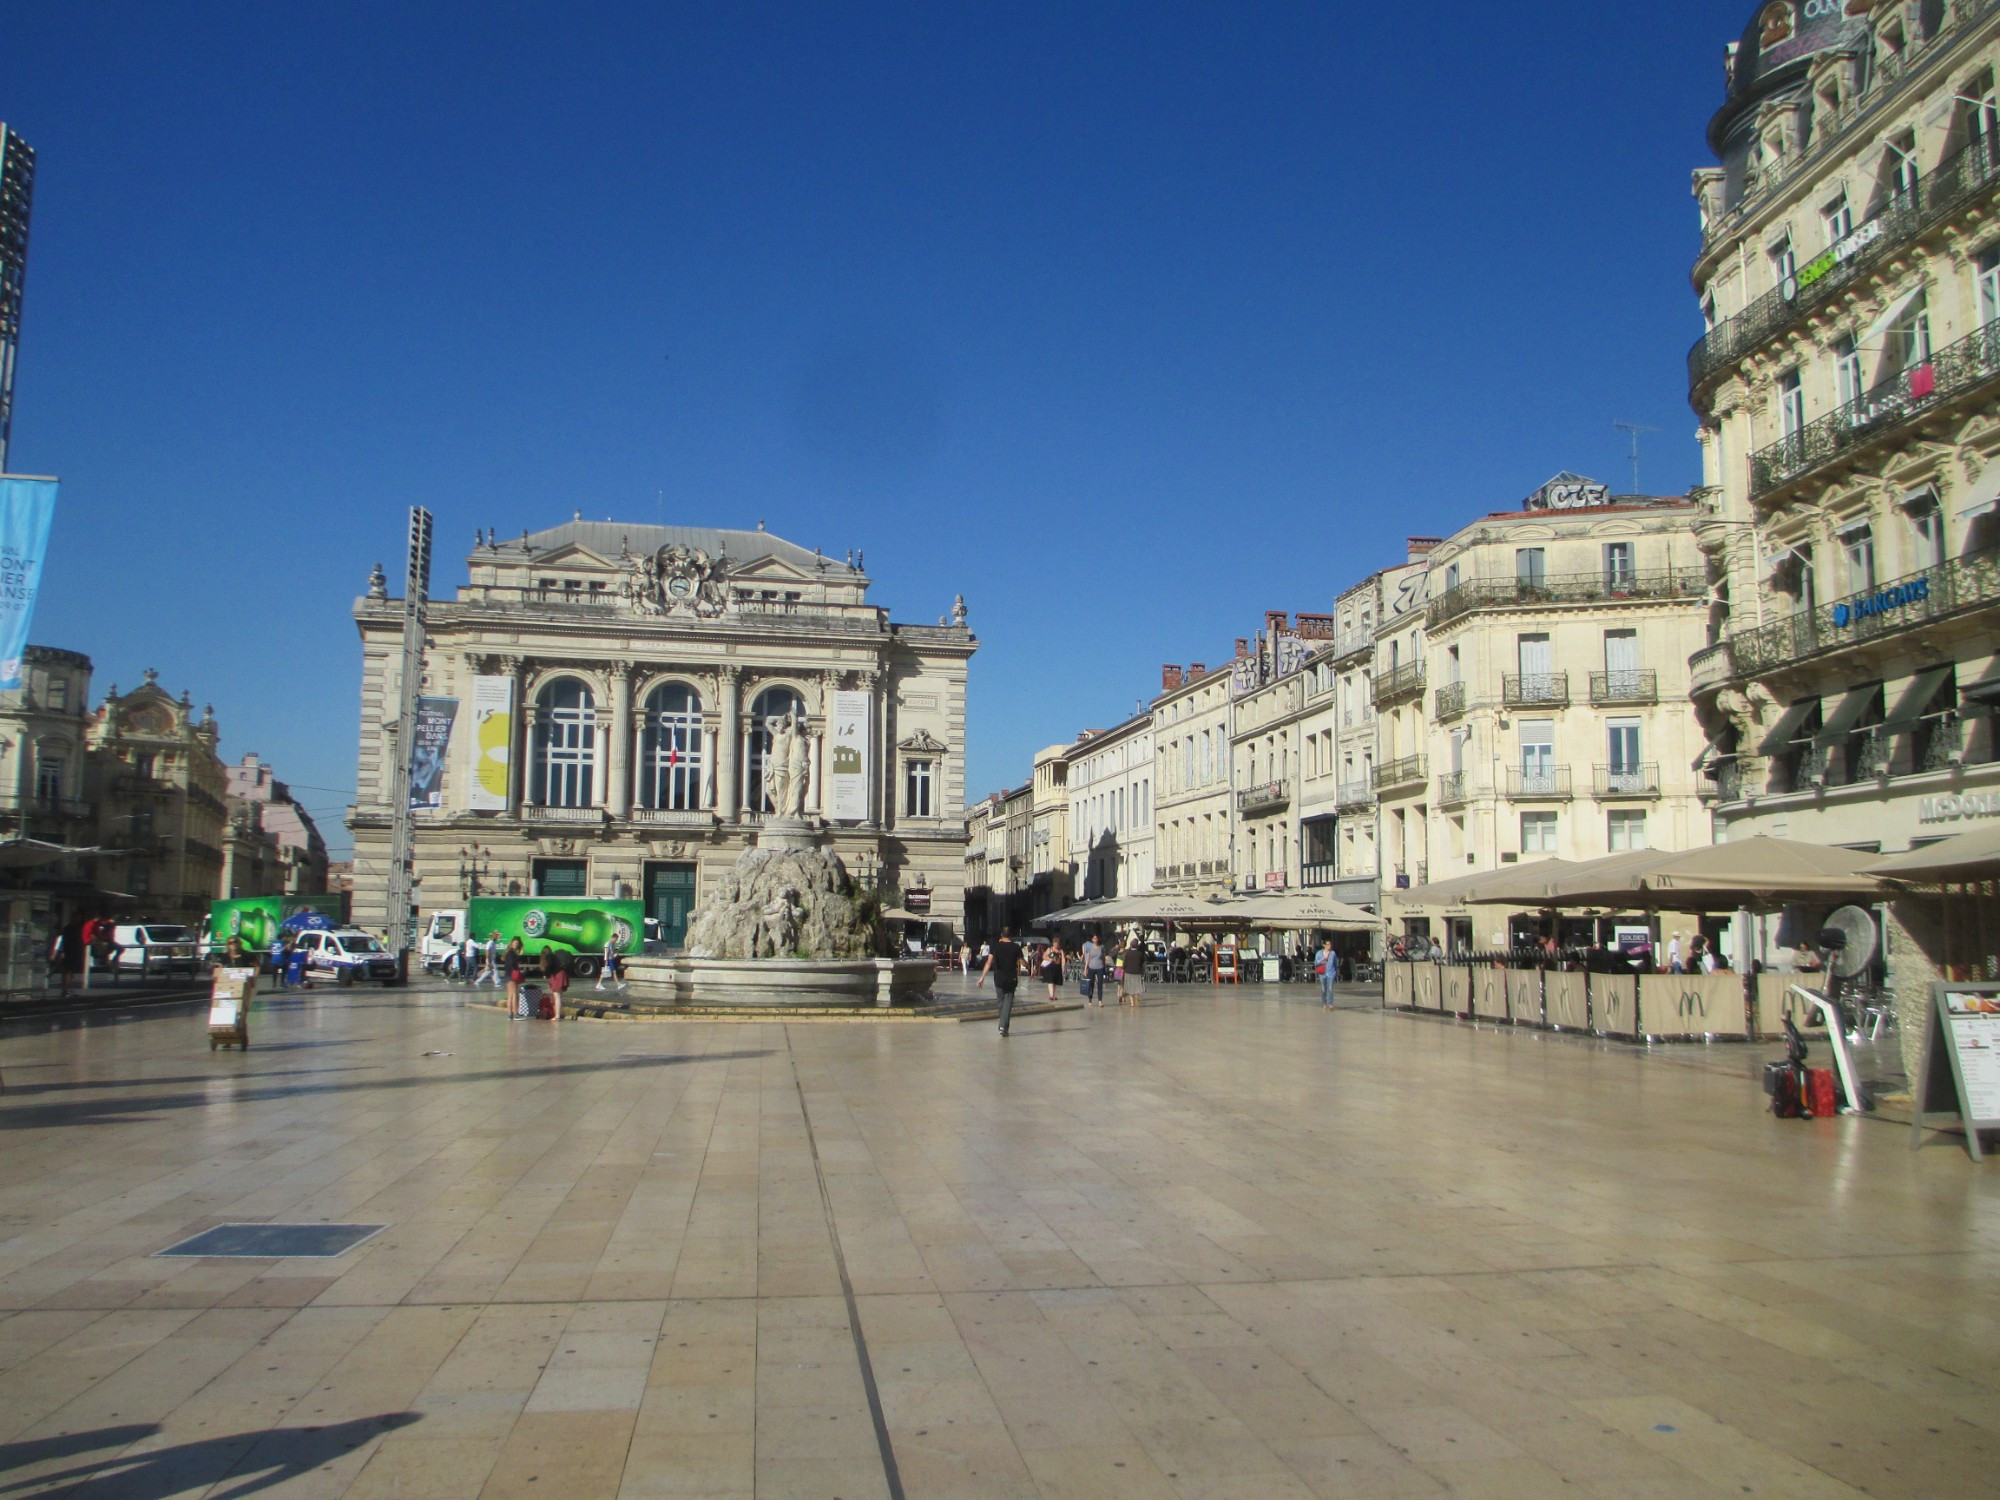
[670,900]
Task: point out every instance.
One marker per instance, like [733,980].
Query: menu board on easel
[1959,1081]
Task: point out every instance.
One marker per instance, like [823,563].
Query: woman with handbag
[555,974]
[1052,967]
[514,964]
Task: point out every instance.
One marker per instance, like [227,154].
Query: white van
[156,948]
[441,938]
[346,954]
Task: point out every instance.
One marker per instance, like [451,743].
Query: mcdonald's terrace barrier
[1626,1007]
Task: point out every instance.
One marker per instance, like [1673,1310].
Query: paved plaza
[1222,1246]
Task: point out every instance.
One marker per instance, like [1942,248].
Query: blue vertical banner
[27,506]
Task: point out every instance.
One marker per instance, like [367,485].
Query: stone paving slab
[1223,1245]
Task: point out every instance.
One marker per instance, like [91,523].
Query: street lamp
[474,866]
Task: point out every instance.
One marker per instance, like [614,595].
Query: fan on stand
[1846,946]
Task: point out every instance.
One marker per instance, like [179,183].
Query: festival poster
[27,507]
[432,739]
[491,743]
[847,757]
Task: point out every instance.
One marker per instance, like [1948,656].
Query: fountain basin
[778,982]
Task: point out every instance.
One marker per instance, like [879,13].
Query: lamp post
[474,866]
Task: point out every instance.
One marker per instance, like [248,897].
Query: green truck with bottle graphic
[261,920]
[572,925]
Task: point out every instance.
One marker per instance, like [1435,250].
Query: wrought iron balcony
[1535,690]
[1408,771]
[1728,780]
[1405,681]
[1354,643]
[1269,797]
[1629,781]
[1952,371]
[1319,874]
[1353,794]
[1957,179]
[1452,789]
[1553,590]
[1711,667]
[1956,586]
[1550,784]
[1625,687]
[1450,701]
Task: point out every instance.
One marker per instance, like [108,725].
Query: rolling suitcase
[1821,1100]
[1787,1102]
[529,1005]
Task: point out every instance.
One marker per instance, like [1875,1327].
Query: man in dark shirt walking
[1004,964]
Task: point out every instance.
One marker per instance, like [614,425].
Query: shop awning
[1947,859]
[1787,728]
[1892,315]
[1915,698]
[1846,714]
[1773,561]
[1848,528]
[1982,494]
[1986,690]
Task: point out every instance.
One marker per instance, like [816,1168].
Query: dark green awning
[1916,698]
[1787,728]
[1847,713]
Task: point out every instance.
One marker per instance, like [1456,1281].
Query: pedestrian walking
[1093,971]
[1003,962]
[490,955]
[1327,966]
[514,963]
[1674,955]
[66,955]
[1052,967]
[613,967]
[1132,972]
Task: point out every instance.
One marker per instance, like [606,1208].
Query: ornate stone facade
[667,687]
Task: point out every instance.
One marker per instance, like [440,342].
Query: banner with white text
[27,507]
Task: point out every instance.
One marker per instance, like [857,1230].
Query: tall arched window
[563,767]
[672,756]
[770,706]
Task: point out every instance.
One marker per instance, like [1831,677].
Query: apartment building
[1402,761]
[1282,735]
[1191,760]
[1558,720]
[1847,386]
[1341,855]
[1111,810]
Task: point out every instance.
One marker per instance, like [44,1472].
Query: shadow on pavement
[240,1464]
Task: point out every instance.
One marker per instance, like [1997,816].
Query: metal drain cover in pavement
[276,1241]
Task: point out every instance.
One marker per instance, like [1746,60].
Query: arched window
[770,706]
[672,755]
[563,767]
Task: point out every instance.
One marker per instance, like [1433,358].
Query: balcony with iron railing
[1450,700]
[1610,688]
[1535,690]
[1270,796]
[1319,873]
[1405,681]
[1538,784]
[1958,586]
[1351,645]
[1352,794]
[1554,590]
[1957,180]
[1956,370]
[1710,667]
[1397,774]
[1628,781]
[1453,790]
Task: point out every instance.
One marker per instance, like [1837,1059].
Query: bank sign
[1897,596]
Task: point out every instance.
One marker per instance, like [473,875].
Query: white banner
[847,757]
[491,743]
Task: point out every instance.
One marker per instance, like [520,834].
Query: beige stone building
[1282,734]
[1555,715]
[1193,825]
[1848,388]
[274,847]
[160,797]
[1111,810]
[613,691]
[1355,875]
[1399,675]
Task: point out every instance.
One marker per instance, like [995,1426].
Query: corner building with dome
[612,692]
[1847,385]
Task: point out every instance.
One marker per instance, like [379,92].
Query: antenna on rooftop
[1635,428]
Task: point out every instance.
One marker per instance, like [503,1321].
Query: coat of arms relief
[676,578]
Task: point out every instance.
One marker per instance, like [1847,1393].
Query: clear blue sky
[1128,322]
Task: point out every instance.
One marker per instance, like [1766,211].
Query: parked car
[347,954]
[156,948]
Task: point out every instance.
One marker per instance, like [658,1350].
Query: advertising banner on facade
[572,924]
[847,758]
[491,742]
[27,506]
[261,920]
[427,750]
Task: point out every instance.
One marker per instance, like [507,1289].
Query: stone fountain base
[773,983]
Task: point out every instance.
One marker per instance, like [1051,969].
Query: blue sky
[1128,322]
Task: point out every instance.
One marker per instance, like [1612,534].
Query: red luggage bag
[1820,1097]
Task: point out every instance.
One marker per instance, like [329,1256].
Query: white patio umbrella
[1303,910]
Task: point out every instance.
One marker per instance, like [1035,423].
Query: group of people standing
[512,967]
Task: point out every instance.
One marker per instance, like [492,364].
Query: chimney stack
[1170,678]
[1242,648]
[1197,669]
[1420,546]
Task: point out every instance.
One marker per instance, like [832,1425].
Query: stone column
[517,752]
[872,682]
[619,787]
[728,684]
[816,805]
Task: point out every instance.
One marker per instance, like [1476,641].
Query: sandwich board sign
[1959,1080]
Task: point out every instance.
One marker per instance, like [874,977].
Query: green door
[561,877]
[670,900]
